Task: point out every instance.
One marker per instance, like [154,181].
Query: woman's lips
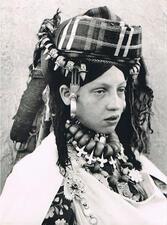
[112,119]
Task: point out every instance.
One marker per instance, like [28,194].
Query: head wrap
[98,36]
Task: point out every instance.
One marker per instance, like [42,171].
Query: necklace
[104,157]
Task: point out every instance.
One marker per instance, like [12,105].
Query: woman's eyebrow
[108,85]
[123,83]
[99,85]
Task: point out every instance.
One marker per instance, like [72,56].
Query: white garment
[31,187]
[119,210]
[35,180]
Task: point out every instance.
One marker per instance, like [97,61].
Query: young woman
[90,168]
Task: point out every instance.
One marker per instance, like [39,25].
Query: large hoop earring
[74,87]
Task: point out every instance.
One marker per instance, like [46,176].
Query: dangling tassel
[60,62]
[134,71]
[52,54]
[69,67]
[44,41]
[131,104]
[82,71]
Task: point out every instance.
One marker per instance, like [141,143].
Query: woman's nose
[114,102]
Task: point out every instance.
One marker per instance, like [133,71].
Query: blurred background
[20,21]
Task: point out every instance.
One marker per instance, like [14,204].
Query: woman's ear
[65,94]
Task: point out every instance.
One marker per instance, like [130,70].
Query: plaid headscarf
[97,34]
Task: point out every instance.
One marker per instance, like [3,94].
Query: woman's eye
[122,89]
[99,91]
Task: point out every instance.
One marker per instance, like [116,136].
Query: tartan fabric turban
[97,36]
[106,38]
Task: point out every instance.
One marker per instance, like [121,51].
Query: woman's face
[101,102]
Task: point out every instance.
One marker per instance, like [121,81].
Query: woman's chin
[105,130]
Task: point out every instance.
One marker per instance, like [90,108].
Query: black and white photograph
[83,112]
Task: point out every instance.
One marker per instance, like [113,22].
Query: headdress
[94,36]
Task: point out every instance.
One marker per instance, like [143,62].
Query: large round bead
[73,129]
[90,146]
[99,149]
[78,135]
[108,151]
[84,140]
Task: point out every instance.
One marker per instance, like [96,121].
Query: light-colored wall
[20,21]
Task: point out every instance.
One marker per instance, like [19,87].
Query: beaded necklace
[114,169]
